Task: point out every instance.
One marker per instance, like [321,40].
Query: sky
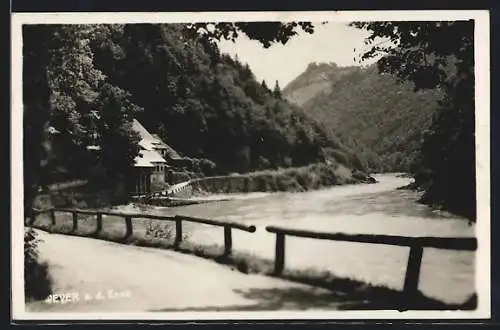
[332,42]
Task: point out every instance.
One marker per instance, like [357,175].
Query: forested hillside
[372,113]
[84,85]
[208,105]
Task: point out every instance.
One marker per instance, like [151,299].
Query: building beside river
[154,163]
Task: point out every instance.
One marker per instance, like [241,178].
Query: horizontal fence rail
[416,245]
[447,243]
[250,229]
[178,219]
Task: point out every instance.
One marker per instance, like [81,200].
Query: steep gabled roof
[143,132]
[152,156]
[147,156]
[172,154]
[159,142]
[140,161]
[149,142]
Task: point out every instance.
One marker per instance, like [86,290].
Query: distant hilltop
[317,78]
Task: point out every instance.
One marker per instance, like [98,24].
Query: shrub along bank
[295,179]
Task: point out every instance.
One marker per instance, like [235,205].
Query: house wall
[157,177]
[158,173]
[142,180]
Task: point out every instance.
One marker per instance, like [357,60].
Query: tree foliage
[206,104]
[267,33]
[437,54]
[277,90]
[69,107]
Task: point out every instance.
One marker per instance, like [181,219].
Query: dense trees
[69,107]
[206,104]
[36,114]
[437,55]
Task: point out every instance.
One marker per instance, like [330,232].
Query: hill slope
[208,105]
[373,114]
[317,78]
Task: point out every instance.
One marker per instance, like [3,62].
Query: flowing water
[370,209]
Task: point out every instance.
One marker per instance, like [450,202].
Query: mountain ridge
[375,115]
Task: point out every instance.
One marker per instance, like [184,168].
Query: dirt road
[119,277]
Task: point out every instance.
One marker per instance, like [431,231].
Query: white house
[151,166]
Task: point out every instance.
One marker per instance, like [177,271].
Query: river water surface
[364,208]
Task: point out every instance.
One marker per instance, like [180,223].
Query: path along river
[371,209]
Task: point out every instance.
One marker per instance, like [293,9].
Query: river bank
[295,179]
[312,177]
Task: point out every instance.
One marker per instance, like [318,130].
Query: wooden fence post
[228,241]
[178,232]
[53,217]
[98,224]
[413,270]
[279,262]
[128,223]
[75,221]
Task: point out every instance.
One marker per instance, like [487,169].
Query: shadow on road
[300,299]
[277,299]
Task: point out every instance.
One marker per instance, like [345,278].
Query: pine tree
[277,90]
[264,86]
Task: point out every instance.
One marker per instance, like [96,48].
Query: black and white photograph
[299,165]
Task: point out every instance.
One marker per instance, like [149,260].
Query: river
[364,208]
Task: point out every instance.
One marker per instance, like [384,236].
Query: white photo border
[482,94]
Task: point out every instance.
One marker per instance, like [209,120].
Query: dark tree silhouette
[277,90]
[437,55]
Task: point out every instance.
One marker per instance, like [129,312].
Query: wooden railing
[178,219]
[416,245]
[172,190]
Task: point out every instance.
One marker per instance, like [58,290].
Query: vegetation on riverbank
[311,177]
[293,179]
[37,280]
[357,294]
